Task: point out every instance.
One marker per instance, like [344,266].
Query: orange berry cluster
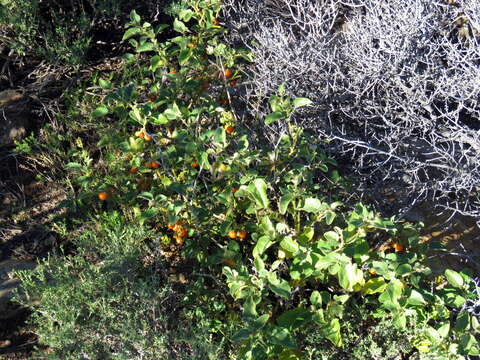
[180,232]
[241,234]
[143,136]
[152,164]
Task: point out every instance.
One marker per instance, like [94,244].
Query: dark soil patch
[16,342]
[27,207]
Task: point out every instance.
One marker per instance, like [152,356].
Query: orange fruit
[234,190]
[179,240]
[215,22]
[171,226]
[229,262]
[140,134]
[154,165]
[223,101]
[133,170]
[229,129]
[232,234]
[195,164]
[233,83]
[398,247]
[227,73]
[103,196]
[182,232]
[242,234]
[147,138]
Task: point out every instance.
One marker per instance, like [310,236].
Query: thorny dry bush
[396,87]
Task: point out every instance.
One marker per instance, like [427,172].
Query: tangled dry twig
[395,85]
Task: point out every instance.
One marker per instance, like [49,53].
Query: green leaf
[403,269]
[389,298]
[242,335]
[316,298]
[185,14]
[295,318]
[463,322]
[298,102]
[148,46]
[147,214]
[329,217]
[184,56]
[260,322]
[331,236]
[332,332]
[467,341]
[289,244]
[454,278]
[258,189]
[160,120]
[284,202]
[374,285]
[179,26]
[282,336]
[104,84]
[131,32]
[99,112]
[155,62]
[416,298]
[444,330]
[249,307]
[73,166]
[134,17]
[273,117]
[349,275]
[263,243]
[400,320]
[204,163]
[312,205]
[259,264]
[282,288]
[146,195]
[306,235]
[220,136]
[267,227]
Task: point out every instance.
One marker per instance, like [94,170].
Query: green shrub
[273,246]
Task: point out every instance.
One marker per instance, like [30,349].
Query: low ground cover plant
[62,32]
[272,260]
